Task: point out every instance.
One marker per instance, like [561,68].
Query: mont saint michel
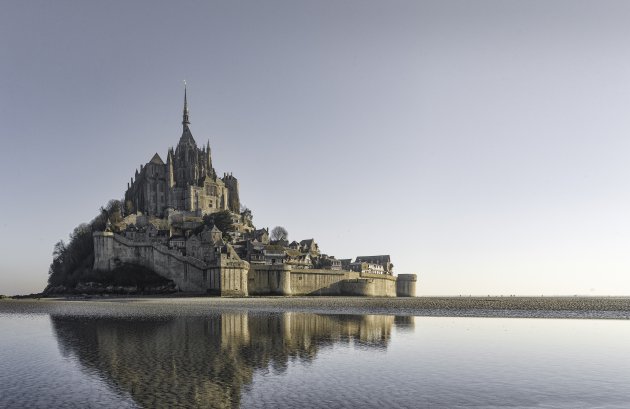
[183,225]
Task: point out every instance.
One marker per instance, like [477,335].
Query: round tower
[406,285]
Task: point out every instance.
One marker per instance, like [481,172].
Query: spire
[185,121]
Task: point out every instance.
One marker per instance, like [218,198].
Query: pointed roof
[156,159]
[187,137]
[185,120]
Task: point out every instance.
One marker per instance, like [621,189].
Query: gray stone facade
[186,182]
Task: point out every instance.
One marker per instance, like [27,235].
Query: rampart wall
[227,277]
[281,280]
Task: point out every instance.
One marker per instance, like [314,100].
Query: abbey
[187,181]
[185,223]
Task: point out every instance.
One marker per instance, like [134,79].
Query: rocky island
[181,228]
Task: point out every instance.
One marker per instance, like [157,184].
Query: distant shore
[517,307]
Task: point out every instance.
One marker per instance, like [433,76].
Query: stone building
[186,182]
[383,260]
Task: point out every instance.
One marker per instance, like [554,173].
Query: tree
[113,211]
[246,214]
[75,258]
[279,233]
[222,220]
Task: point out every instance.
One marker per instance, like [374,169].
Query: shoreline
[600,307]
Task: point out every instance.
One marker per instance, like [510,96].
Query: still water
[302,360]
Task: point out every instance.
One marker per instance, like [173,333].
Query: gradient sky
[482,144]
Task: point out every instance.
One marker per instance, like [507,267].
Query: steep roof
[371,259]
[187,138]
[156,159]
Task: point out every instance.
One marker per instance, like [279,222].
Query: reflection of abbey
[208,361]
[185,223]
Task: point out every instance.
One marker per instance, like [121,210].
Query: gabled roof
[371,259]
[156,159]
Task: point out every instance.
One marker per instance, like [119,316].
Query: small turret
[170,177]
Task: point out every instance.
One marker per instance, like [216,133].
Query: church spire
[185,121]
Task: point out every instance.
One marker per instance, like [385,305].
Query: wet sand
[517,307]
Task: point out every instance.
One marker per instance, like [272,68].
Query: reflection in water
[206,361]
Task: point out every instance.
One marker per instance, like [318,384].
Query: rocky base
[94,288]
[126,279]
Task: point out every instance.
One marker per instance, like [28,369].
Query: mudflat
[507,306]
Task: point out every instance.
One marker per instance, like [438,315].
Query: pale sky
[482,144]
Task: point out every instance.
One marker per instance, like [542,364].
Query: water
[288,359]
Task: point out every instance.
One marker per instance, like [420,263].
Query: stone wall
[317,282]
[371,285]
[227,277]
[234,277]
[274,279]
[281,280]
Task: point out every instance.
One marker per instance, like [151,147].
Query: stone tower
[231,183]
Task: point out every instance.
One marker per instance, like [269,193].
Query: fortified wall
[225,277]
[282,280]
[230,276]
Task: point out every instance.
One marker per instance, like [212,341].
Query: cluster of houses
[185,233]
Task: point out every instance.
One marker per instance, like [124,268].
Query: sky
[482,144]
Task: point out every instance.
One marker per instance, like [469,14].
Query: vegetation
[72,261]
[222,220]
[279,233]
[247,216]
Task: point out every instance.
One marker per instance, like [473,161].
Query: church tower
[186,181]
[186,167]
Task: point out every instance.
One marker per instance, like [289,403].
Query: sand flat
[517,307]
